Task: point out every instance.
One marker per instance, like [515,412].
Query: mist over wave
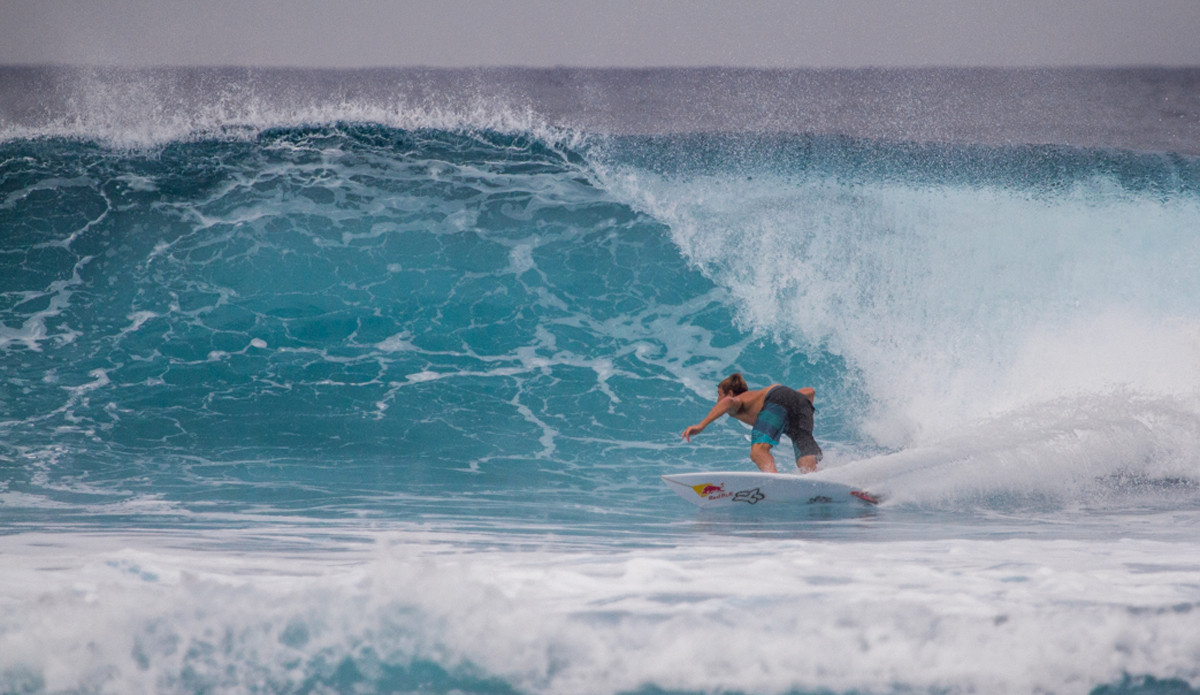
[1139,109]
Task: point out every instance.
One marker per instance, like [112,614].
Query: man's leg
[807,453]
[760,454]
[807,464]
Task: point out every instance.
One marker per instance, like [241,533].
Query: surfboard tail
[866,496]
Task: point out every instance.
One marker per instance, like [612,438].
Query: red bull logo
[706,489]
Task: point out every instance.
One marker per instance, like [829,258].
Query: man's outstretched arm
[722,407]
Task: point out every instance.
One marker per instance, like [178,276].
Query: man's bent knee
[760,454]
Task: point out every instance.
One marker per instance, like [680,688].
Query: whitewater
[363,381]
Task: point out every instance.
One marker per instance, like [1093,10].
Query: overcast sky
[622,33]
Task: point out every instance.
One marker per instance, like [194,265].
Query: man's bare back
[748,405]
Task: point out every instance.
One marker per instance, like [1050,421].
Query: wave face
[359,319]
[360,314]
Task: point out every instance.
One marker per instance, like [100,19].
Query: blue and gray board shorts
[786,411]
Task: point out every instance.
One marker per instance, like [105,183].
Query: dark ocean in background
[363,381]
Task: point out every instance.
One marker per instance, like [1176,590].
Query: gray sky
[618,33]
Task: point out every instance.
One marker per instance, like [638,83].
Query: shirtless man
[772,411]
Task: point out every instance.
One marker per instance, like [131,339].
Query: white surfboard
[746,488]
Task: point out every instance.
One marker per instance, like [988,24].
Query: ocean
[363,381]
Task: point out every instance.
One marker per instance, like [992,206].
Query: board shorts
[786,411]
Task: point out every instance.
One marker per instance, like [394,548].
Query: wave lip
[149,108]
[1140,109]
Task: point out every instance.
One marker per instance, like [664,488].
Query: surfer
[772,411]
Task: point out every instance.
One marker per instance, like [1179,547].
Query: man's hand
[693,430]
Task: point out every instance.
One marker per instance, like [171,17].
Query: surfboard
[746,488]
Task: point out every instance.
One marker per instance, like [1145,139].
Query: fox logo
[749,496]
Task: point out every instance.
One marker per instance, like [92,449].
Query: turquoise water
[358,406]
